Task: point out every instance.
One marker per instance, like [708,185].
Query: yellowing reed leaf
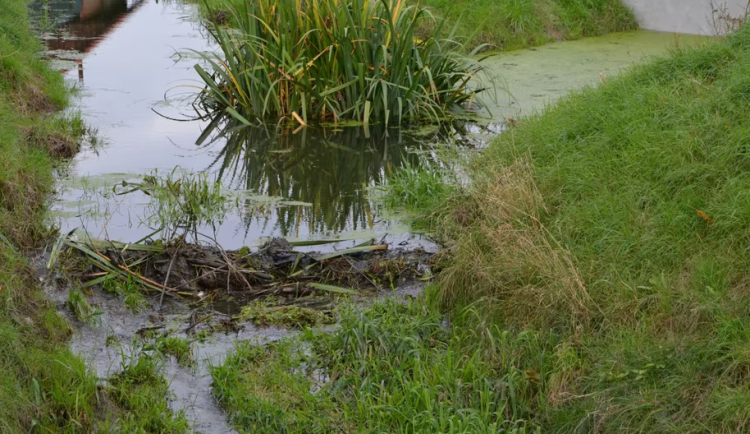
[326,60]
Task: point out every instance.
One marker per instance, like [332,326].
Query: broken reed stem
[169,270]
[136,275]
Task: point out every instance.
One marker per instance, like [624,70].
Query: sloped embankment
[511,25]
[616,225]
[43,386]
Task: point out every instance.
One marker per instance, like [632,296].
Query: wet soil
[203,310]
[200,272]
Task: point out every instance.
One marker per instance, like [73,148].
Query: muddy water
[110,341]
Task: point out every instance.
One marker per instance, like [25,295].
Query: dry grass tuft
[57,144]
[22,198]
[31,99]
[508,255]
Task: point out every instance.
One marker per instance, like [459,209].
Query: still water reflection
[133,62]
[330,169]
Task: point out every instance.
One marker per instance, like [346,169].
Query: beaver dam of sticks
[275,281]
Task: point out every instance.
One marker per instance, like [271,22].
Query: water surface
[133,62]
[537,77]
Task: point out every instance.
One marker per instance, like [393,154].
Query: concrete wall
[682,16]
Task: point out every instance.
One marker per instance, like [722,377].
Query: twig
[136,275]
[230,267]
[191,326]
[169,270]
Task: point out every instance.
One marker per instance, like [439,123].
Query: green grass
[129,289]
[44,388]
[615,225]
[81,308]
[509,24]
[390,368]
[269,312]
[140,391]
[420,190]
[331,61]
[513,24]
[180,202]
[181,349]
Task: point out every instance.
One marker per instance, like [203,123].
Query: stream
[132,64]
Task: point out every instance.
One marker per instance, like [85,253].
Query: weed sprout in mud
[81,307]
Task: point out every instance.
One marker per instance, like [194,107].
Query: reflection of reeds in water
[326,168]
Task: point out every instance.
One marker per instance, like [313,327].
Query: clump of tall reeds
[331,60]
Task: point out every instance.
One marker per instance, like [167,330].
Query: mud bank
[214,299]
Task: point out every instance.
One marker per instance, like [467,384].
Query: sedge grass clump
[417,188]
[180,202]
[263,313]
[129,289]
[181,349]
[330,60]
[81,308]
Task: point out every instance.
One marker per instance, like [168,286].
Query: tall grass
[44,387]
[510,24]
[331,60]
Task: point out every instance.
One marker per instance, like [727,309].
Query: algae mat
[538,76]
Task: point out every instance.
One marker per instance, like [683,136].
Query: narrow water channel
[134,66]
[132,63]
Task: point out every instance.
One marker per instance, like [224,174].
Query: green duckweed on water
[538,77]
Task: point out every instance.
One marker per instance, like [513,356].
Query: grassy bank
[509,24]
[43,386]
[392,368]
[615,225]
[597,282]
[513,24]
